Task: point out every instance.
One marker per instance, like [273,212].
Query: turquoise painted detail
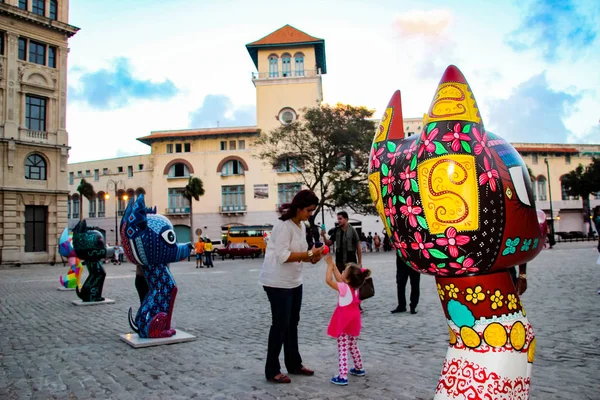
[511,246]
[460,314]
[526,245]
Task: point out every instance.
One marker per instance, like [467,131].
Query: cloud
[534,112]
[127,152]
[423,23]
[554,28]
[218,110]
[106,89]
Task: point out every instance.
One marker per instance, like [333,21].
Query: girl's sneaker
[357,372]
[336,380]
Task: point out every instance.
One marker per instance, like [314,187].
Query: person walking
[403,273]
[281,278]
[346,240]
[377,242]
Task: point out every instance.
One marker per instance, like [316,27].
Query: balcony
[285,74]
[37,134]
[120,213]
[177,211]
[75,215]
[92,214]
[100,214]
[238,209]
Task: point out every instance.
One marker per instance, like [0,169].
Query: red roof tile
[547,149]
[285,35]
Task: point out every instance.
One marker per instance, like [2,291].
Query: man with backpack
[347,243]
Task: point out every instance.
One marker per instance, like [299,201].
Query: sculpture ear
[128,211]
[137,219]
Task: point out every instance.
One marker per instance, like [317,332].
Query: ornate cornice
[16,12]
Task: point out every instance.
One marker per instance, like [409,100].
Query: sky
[138,66]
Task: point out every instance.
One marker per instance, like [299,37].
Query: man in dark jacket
[347,244]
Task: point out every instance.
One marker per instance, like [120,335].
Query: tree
[582,182]
[86,190]
[193,190]
[329,150]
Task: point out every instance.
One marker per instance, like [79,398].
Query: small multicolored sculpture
[149,241]
[65,249]
[89,246]
[457,203]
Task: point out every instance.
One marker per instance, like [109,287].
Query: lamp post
[115,186]
[550,197]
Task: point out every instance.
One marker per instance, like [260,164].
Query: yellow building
[242,190]
[33,140]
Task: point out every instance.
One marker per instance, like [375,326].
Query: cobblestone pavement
[52,349]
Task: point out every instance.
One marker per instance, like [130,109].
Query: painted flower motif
[496,299]
[535,243]
[411,149]
[388,180]
[467,266]
[489,175]
[400,246]
[375,161]
[393,156]
[410,211]
[438,269]
[475,295]
[526,245]
[482,142]
[456,137]
[452,291]
[390,211]
[440,291]
[427,141]
[406,176]
[512,302]
[452,240]
[420,245]
[511,246]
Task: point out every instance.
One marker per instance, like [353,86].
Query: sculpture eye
[169,236]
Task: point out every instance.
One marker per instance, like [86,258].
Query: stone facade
[33,139]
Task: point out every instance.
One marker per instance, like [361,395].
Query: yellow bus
[254,235]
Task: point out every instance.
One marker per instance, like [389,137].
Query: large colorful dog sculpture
[65,249]
[150,241]
[457,203]
[89,246]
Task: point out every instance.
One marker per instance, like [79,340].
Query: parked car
[240,250]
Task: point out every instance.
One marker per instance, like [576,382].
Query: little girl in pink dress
[345,322]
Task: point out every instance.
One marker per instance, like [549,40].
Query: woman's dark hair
[303,199]
[357,275]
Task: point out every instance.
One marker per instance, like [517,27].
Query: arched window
[35,167]
[286,65]
[121,202]
[92,207]
[233,167]
[273,69]
[299,64]
[139,191]
[541,188]
[75,208]
[101,204]
[179,170]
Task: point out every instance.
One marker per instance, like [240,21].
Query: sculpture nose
[184,250]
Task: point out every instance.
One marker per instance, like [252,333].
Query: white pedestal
[92,303]
[136,342]
[64,289]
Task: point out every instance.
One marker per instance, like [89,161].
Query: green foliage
[194,189]
[86,189]
[583,181]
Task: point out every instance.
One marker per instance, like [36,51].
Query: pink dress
[346,317]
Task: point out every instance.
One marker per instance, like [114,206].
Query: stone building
[34,145]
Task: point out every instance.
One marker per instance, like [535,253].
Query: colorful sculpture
[65,249]
[89,246]
[457,203]
[149,241]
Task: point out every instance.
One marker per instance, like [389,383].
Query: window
[179,170]
[52,56]
[93,207]
[241,145]
[534,158]
[568,158]
[38,7]
[2,43]
[35,228]
[287,191]
[53,9]
[96,174]
[286,65]
[178,148]
[232,145]
[288,165]
[346,163]
[187,147]
[178,203]
[233,196]
[273,72]
[104,171]
[22,49]
[233,167]
[37,53]
[130,171]
[79,173]
[71,178]
[75,207]
[140,167]
[170,148]
[35,113]
[597,195]
[287,116]
[69,208]
[23,4]
[120,169]
[534,189]
[35,167]
[223,145]
[565,195]
[299,61]
[87,172]
[541,188]
[101,205]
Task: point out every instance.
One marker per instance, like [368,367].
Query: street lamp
[115,186]
[550,197]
